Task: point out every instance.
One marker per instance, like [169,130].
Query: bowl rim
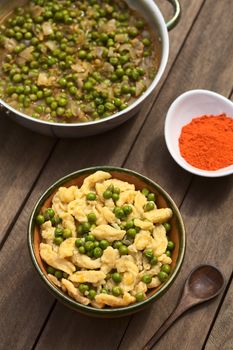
[89,309]
[167,127]
[162,29]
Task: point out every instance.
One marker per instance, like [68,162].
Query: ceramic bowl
[187,106]
[177,234]
[150,11]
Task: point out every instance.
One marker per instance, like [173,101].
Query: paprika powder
[207,142]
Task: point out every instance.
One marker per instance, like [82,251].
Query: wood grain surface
[30,317]
[221,336]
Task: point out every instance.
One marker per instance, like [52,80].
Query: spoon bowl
[205,282]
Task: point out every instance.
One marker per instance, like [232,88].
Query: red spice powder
[207,142]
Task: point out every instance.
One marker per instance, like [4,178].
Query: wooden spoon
[203,283]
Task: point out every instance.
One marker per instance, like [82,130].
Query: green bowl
[177,234]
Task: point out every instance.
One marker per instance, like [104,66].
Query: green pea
[91,217]
[146,279]
[120,72]
[117,244]
[167,226]
[148,253]
[104,37]
[53,105]
[163,276]
[107,194]
[116,291]
[86,227]
[117,278]
[135,74]
[149,206]
[123,250]
[58,16]
[139,296]
[129,224]
[170,245]
[58,240]
[39,19]
[28,36]
[82,250]
[104,291]
[82,54]
[18,36]
[124,59]
[79,242]
[49,213]
[40,219]
[154,260]
[131,232]
[101,109]
[151,197]
[62,82]
[140,24]
[90,238]
[83,288]
[58,274]
[17,78]
[119,213]
[98,252]
[125,89]
[97,244]
[133,31]
[50,270]
[133,90]
[73,90]
[103,244]
[109,106]
[113,61]
[166,268]
[145,191]
[91,196]
[110,42]
[115,197]
[146,42]
[58,220]
[168,253]
[67,233]
[58,232]
[62,102]
[89,246]
[91,294]
[127,209]
[60,111]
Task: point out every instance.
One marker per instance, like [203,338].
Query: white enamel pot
[150,11]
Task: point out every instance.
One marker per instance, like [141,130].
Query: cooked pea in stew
[75,61]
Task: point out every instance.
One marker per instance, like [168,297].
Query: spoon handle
[177,312]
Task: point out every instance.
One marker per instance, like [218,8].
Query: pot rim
[89,309]
[162,29]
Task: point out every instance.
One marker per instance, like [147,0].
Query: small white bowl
[191,104]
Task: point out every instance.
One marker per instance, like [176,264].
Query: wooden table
[201,56]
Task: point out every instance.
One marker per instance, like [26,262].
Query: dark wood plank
[221,336]
[30,298]
[22,155]
[207,210]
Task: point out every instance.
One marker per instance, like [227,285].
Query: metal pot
[149,10]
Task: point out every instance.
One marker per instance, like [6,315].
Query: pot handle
[175,19]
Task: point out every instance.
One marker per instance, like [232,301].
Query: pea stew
[75,61]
